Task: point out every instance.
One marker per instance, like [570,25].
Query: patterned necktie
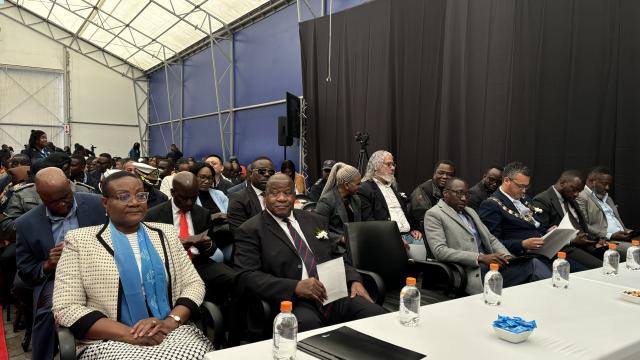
[303,250]
[184,229]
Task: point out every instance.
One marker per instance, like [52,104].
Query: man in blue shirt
[40,242]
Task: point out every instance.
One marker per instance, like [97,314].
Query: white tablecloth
[587,321]
[626,278]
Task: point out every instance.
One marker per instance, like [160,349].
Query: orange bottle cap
[411,281]
[494,266]
[286,306]
[635,242]
[562,254]
[612,246]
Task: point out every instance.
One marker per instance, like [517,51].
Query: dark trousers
[580,259]
[8,269]
[522,272]
[346,309]
[44,327]
[219,279]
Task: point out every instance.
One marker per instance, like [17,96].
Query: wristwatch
[176,318]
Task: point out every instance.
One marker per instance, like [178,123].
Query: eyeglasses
[520,186]
[265,171]
[389,164]
[141,197]
[459,193]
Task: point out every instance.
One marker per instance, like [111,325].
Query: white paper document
[557,239]
[332,275]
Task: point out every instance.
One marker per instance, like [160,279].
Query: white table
[626,278]
[586,321]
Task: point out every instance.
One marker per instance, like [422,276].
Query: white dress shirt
[522,209]
[260,194]
[296,226]
[395,209]
[176,223]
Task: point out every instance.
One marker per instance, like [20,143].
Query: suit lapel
[277,230]
[253,200]
[342,212]
[452,214]
[309,235]
[554,200]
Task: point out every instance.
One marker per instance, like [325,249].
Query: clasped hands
[200,241]
[151,331]
[313,289]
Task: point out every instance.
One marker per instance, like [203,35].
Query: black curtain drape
[552,83]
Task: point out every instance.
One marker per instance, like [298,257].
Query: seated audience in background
[191,219]
[91,164]
[40,240]
[217,203]
[339,203]
[316,189]
[600,211]
[76,170]
[427,194]
[289,168]
[512,219]
[276,256]
[102,164]
[37,149]
[560,200]
[479,192]
[150,177]
[166,167]
[17,173]
[165,185]
[153,161]
[25,197]
[174,153]
[249,201]
[381,200]
[126,289]
[456,234]
[118,163]
[134,153]
[233,172]
[236,166]
[219,181]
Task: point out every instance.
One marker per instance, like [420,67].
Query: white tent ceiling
[142,32]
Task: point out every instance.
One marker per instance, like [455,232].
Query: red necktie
[184,229]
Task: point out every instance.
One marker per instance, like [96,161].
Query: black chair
[375,246]
[210,322]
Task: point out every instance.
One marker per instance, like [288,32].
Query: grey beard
[390,179]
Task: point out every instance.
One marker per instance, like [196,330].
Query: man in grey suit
[600,211]
[455,233]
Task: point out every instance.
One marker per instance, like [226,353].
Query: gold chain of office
[528,218]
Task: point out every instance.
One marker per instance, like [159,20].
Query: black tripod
[363,155]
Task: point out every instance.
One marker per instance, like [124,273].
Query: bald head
[185,180]
[280,179]
[185,190]
[55,190]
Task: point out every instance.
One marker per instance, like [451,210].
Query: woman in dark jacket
[37,146]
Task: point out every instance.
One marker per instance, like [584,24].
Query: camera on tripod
[362,138]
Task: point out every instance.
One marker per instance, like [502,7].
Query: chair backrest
[377,246]
[310,206]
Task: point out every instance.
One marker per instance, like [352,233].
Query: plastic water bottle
[493,286]
[561,268]
[285,333]
[611,261]
[409,314]
[633,256]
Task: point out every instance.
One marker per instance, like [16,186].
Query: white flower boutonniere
[537,210]
[321,234]
[403,195]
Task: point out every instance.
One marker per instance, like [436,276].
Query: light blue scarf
[134,302]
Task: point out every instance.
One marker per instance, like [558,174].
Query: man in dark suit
[479,192]
[381,201]
[276,255]
[191,220]
[219,181]
[40,241]
[103,163]
[510,216]
[560,200]
[249,202]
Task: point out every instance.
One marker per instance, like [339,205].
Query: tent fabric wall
[267,65]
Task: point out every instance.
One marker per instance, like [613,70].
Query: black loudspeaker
[285,137]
